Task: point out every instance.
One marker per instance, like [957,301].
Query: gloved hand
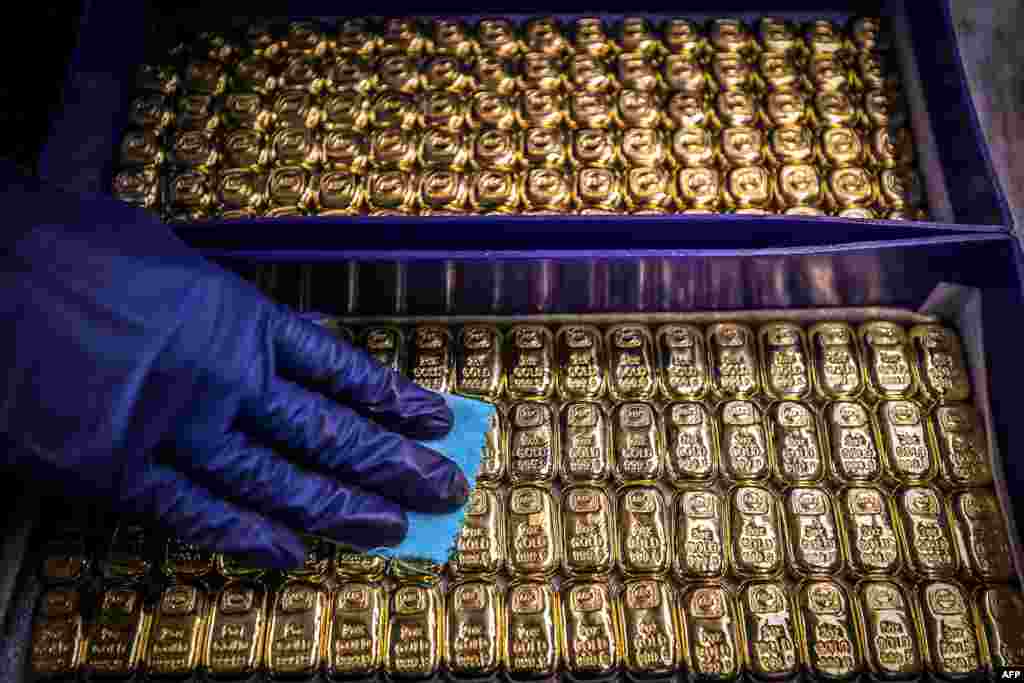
[120,340]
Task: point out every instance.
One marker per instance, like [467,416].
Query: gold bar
[644,531]
[787,373]
[926,533]
[756,532]
[295,638]
[387,346]
[631,362]
[431,364]
[1000,613]
[128,554]
[238,621]
[887,360]
[493,462]
[351,564]
[232,567]
[480,545]
[117,639]
[184,560]
[355,630]
[415,570]
[909,443]
[478,362]
[589,528]
[534,630]
[581,360]
[138,186]
[981,535]
[637,442]
[476,630]
[951,631]
[872,538]
[814,543]
[744,443]
[853,442]
[415,631]
[533,443]
[649,629]
[941,370]
[586,441]
[701,530]
[708,617]
[179,631]
[58,638]
[734,365]
[534,532]
[795,443]
[768,627]
[892,644]
[592,646]
[830,641]
[691,443]
[531,362]
[682,362]
[963,446]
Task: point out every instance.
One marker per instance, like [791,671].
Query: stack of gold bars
[544,117]
[655,502]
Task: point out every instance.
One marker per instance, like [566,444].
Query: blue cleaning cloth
[432,536]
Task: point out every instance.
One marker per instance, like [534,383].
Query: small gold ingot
[352,74]
[190,191]
[444,149]
[544,35]
[926,533]
[138,187]
[636,35]
[542,109]
[119,635]
[631,362]
[183,560]
[644,531]
[637,72]
[892,647]
[241,189]
[443,110]
[941,370]
[841,146]
[982,536]
[791,145]
[732,351]
[341,193]
[708,617]
[492,110]
[422,572]
[291,187]
[405,35]
[884,108]
[683,370]
[586,443]
[350,564]
[355,630]
[141,147]
[196,112]
[814,543]
[778,35]
[730,71]
[875,73]
[248,110]
[544,148]
[730,35]
[452,37]
[701,530]
[531,362]
[756,532]
[245,149]
[963,446]
[534,630]
[834,108]
[795,443]
[297,147]
[447,191]
[494,191]
[799,185]
[346,111]
[303,74]
[692,443]
[901,191]
[480,545]
[346,151]
[157,78]
[590,38]
[205,77]
[355,37]
[179,631]
[909,446]
[596,148]
[687,111]
[387,346]
[495,75]
[828,73]
[682,37]
[698,187]
[600,188]
[950,630]
[305,38]
[431,363]
[478,362]
[787,108]
[1000,613]
[749,187]
[446,73]
[837,373]
[684,75]
[415,631]
[580,356]
[497,36]
[867,33]
[768,624]
[650,189]
[297,629]
[498,150]
[888,366]
[592,646]
[152,111]
[475,630]
[591,110]
[644,147]
[297,110]
[392,190]
[534,531]
[830,643]
[824,38]
[398,73]
[737,108]
[783,345]
[851,187]
[589,528]
[58,637]
[533,443]
[649,629]
[779,72]
[853,442]
[541,72]
[256,74]
[744,443]
[638,109]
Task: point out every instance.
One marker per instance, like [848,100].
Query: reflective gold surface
[534,630]
[768,623]
[708,616]
[476,629]
[832,646]
[235,638]
[296,632]
[592,645]
[415,631]
[649,627]
[701,530]
[950,630]
[118,638]
[58,636]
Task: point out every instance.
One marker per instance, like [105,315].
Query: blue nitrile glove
[119,339]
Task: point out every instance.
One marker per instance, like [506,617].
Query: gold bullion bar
[701,530]
[415,632]
[649,628]
[295,638]
[636,439]
[430,363]
[65,556]
[795,443]
[128,553]
[493,461]
[768,626]
[926,533]
[756,532]
[872,538]
[586,442]
[480,545]
[57,634]
[830,641]
[708,618]
[234,567]
[138,187]
[733,354]
[234,640]
[581,362]
[183,560]
[117,641]
[630,362]
[386,345]
[179,630]
[691,443]
[589,528]
[534,631]
[351,564]
[534,532]
[941,370]
[786,370]
[814,543]
[644,530]
[909,444]
[476,630]
[682,362]
[853,442]
[982,536]
[963,446]
[415,570]
[478,362]
[591,646]
[533,453]
[1000,614]
[744,443]
[887,361]
[950,630]
[892,647]
[531,362]
[355,630]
